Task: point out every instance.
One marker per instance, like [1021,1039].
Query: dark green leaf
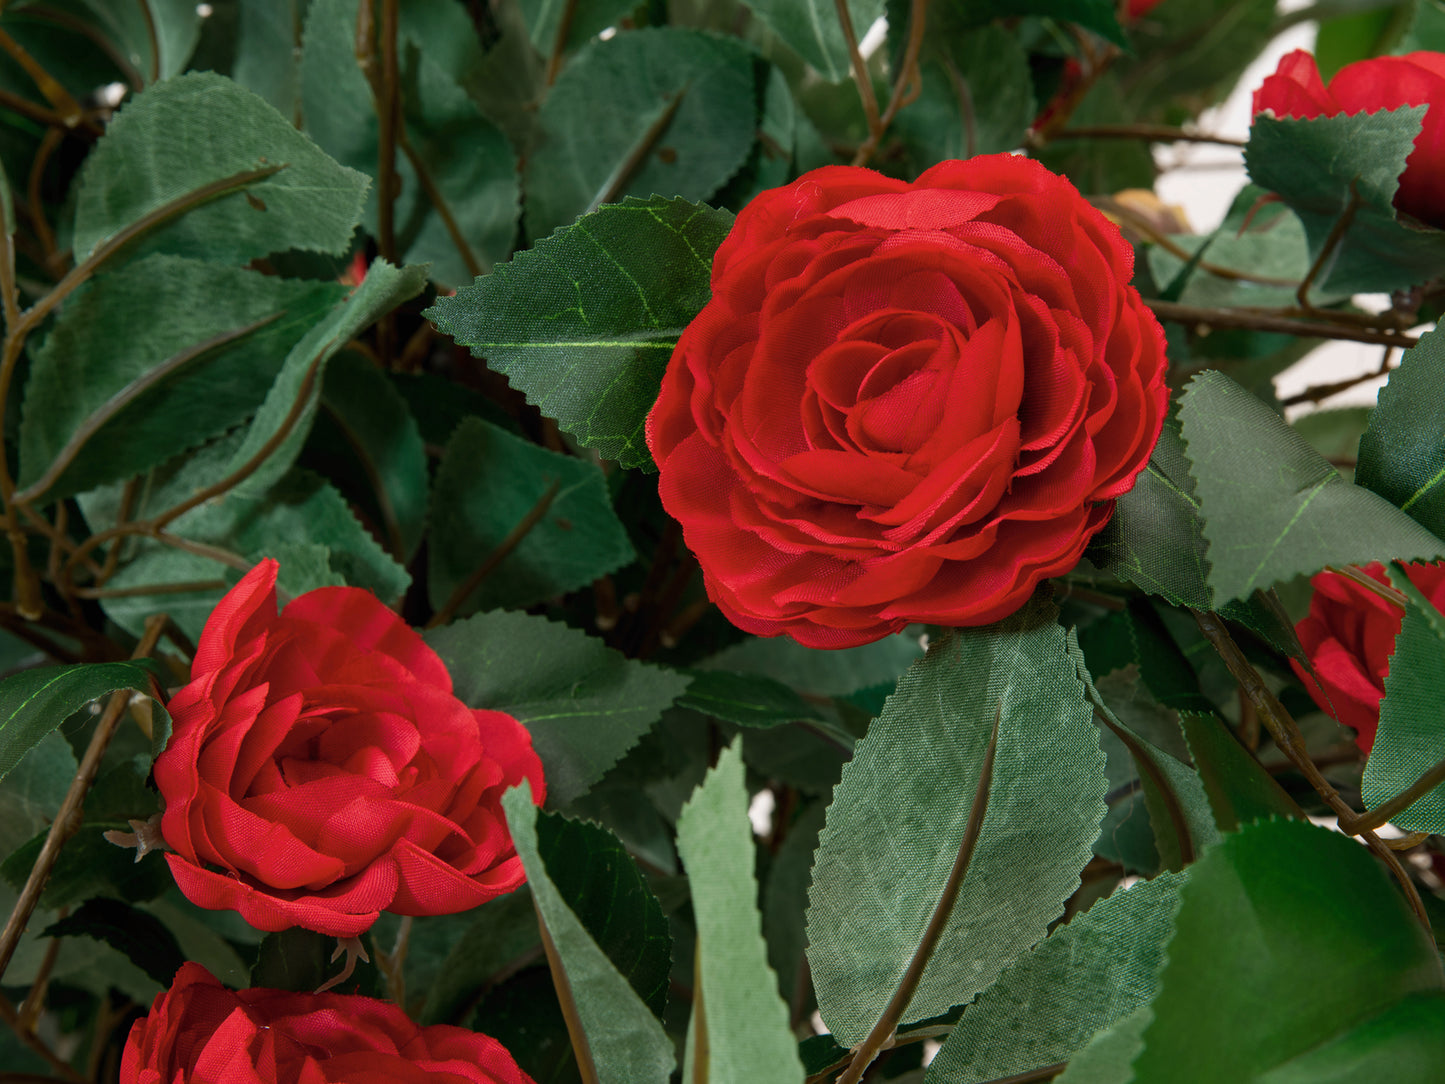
[1107,1058]
[294,959]
[824,673]
[1084,977]
[812,30]
[1096,15]
[177,28]
[34,789]
[785,896]
[1336,433]
[35,702]
[584,704]
[584,322]
[1296,518]
[143,938]
[666,111]
[123,358]
[1405,1044]
[738,1010]
[625,1039]
[1240,791]
[744,699]
[488,483]
[899,813]
[1265,965]
[601,885]
[588,20]
[1315,165]
[503,932]
[1427,31]
[1402,454]
[167,142]
[268,47]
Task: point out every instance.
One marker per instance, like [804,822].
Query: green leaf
[1084,977]
[785,897]
[144,939]
[899,812]
[297,960]
[1107,1058]
[625,1040]
[167,142]
[1096,15]
[1427,31]
[588,20]
[1277,251]
[35,702]
[268,48]
[1287,936]
[1410,741]
[745,699]
[177,29]
[1405,1044]
[977,97]
[602,886]
[488,483]
[302,374]
[1315,165]
[811,29]
[1402,454]
[823,673]
[34,790]
[620,104]
[125,360]
[1296,518]
[382,438]
[503,931]
[1336,433]
[584,322]
[739,1028]
[1240,790]
[584,704]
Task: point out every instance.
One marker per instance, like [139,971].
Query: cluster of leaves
[195,375]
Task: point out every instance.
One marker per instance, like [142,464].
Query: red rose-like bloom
[1349,636]
[906,402]
[1139,8]
[320,770]
[199,1032]
[1368,86]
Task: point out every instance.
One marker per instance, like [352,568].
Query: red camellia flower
[1368,86]
[1349,636]
[906,402]
[320,770]
[199,1032]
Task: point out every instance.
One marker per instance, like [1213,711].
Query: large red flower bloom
[906,402]
[321,771]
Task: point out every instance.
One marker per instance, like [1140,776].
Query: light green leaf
[35,702]
[583,703]
[166,142]
[302,375]
[123,358]
[738,1010]
[899,812]
[1402,454]
[490,481]
[620,103]
[268,47]
[584,322]
[1296,518]
[1410,740]
[812,30]
[1084,977]
[625,1040]
[1264,966]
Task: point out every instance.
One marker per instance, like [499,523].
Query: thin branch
[908,76]
[489,564]
[1320,392]
[87,29]
[26,108]
[50,88]
[1286,734]
[1260,321]
[122,516]
[439,203]
[68,820]
[1155,133]
[388,112]
[586,1067]
[34,1003]
[43,233]
[1381,814]
[1146,763]
[859,68]
[617,180]
[887,1024]
[152,38]
[1169,245]
[143,589]
[1369,583]
[11,1016]
[559,40]
[701,1043]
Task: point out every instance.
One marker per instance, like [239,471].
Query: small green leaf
[35,702]
[739,1028]
[899,813]
[663,110]
[1296,518]
[812,30]
[583,323]
[1402,454]
[143,938]
[166,142]
[1240,790]
[745,699]
[503,931]
[1265,966]
[625,1040]
[584,704]
[1410,740]
[1086,976]
[1318,167]
[488,483]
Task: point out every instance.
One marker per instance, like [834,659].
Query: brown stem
[887,1024]
[586,1067]
[87,29]
[1155,133]
[860,71]
[388,112]
[1149,767]
[701,1043]
[67,821]
[151,589]
[1261,321]
[152,39]
[11,1016]
[1163,240]
[59,98]
[559,40]
[1381,814]
[26,108]
[1369,583]
[1319,392]
[34,1003]
[122,516]
[908,75]
[1286,734]
[489,564]
[439,203]
[43,233]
